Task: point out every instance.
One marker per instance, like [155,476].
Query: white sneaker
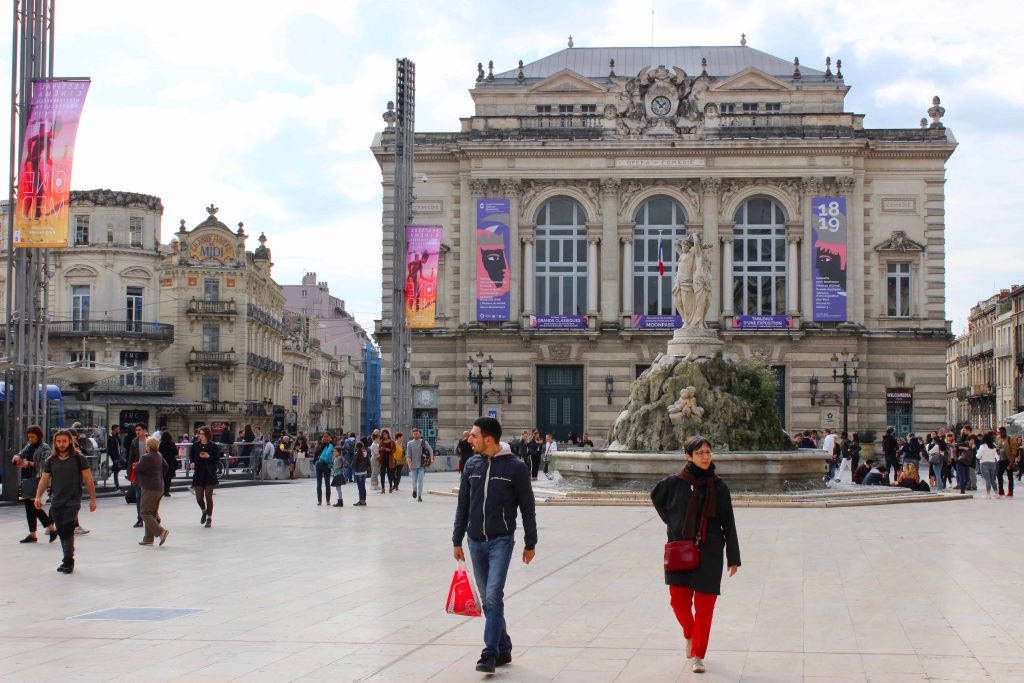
[698,665]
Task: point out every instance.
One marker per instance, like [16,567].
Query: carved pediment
[752,79]
[566,81]
[136,273]
[80,271]
[899,241]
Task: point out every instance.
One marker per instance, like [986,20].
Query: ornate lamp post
[476,379]
[848,360]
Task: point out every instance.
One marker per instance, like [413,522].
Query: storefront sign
[762,322]
[900,396]
[492,262]
[829,254]
[212,247]
[423,244]
[44,171]
[558,322]
[657,322]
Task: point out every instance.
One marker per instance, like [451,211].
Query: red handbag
[681,556]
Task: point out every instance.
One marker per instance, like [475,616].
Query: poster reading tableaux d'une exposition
[423,245]
[829,254]
[492,260]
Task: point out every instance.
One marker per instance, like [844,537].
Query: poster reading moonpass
[492,261]
[829,267]
[423,245]
[44,172]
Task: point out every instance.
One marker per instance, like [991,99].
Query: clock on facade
[661,105]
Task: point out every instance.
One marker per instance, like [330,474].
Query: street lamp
[476,379]
[848,360]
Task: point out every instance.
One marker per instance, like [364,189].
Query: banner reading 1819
[829,267]
[492,262]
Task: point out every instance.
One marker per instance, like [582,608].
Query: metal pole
[401,335]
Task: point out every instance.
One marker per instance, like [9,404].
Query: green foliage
[738,399]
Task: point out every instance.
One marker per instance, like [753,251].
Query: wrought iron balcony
[257,409]
[212,308]
[214,408]
[265,317]
[135,383]
[212,359]
[314,375]
[118,329]
[259,362]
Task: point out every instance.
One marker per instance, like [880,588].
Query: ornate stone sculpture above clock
[660,101]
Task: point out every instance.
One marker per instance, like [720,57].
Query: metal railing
[135,383]
[265,317]
[204,307]
[259,362]
[560,121]
[111,328]
[314,375]
[212,358]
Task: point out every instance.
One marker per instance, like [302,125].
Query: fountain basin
[742,471]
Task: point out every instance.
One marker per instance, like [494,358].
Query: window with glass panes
[133,308]
[80,296]
[561,258]
[659,221]
[898,290]
[211,388]
[81,230]
[759,258]
[211,337]
[135,231]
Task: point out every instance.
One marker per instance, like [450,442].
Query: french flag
[661,260]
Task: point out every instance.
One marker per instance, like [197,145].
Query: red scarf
[703,482]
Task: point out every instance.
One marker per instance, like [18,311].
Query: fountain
[697,387]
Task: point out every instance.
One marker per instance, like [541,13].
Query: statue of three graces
[691,288]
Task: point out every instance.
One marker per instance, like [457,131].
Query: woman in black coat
[203,457]
[685,500]
[169,451]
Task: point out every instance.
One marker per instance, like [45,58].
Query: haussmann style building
[827,236]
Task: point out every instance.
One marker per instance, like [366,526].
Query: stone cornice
[116,198]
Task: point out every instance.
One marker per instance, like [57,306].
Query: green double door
[560,400]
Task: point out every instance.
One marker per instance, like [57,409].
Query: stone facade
[601,161]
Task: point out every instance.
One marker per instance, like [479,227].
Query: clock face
[661,105]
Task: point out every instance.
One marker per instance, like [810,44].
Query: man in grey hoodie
[417,456]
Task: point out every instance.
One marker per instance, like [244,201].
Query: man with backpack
[418,456]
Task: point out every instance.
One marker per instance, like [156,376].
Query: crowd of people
[944,456]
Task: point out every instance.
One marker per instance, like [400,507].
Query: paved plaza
[294,592]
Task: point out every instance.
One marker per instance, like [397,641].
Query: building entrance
[560,400]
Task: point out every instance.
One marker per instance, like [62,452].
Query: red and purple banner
[422,247]
[558,322]
[762,322]
[492,261]
[44,172]
[829,266]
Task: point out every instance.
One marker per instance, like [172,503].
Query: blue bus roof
[52,392]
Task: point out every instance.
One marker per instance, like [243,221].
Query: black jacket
[490,491]
[671,498]
[889,446]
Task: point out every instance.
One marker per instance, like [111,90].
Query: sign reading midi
[829,267]
[44,174]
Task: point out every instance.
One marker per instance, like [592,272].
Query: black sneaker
[66,568]
[504,658]
[339,504]
[486,664]
[29,539]
[209,522]
[413,494]
[137,525]
[202,520]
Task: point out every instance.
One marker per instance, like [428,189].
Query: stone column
[466,252]
[609,251]
[627,278]
[726,274]
[811,187]
[529,276]
[793,276]
[593,240]
[710,188]
[510,189]
[852,188]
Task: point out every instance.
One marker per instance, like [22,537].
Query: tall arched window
[561,259]
[659,221]
[759,258]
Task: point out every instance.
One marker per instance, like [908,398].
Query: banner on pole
[44,171]
[493,260]
[829,267]
[423,244]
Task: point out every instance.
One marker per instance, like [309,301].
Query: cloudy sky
[268,109]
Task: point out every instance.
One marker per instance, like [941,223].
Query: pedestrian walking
[150,474]
[375,459]
[494,485]
[536,450]
[418,456]
[64,473]
[464,450]
[965,461]
[937,454]
[338,467]
[988,460]
[204,457]
[324,463]
[115,453]
[696,504]
[845,458]
[135,450]
[169,451]
[30,461]
[1005,446]
[890,448]
[385,449]
[286,453]
[360,469]
[550,450]
[396,463]
[854,448]
[348,452]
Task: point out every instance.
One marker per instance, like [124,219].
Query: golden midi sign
[212,248]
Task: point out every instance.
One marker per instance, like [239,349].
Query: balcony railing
[204,307]
[560,121]
[265,317]
[259,362]
[135,383]
[1004,350]
[314,375]
[122,329]
[257,409]
[212,359]
[214,407]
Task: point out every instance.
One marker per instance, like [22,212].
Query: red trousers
[694,611]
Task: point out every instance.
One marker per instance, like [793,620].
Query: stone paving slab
[295,592]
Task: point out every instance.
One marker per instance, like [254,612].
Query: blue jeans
[138,502]
[940,485]
[490,566]
[347,469]
[361,485]
[417,480]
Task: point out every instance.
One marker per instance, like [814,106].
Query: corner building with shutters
[607,155]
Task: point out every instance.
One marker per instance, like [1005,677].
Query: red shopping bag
[462,596]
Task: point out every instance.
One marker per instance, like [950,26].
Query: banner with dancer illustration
[829,254]
[422,247]
[44,171]
[492,261]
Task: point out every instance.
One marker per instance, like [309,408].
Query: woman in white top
[988,458]
[550,448]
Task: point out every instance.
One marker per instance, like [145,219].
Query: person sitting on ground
[877,477]
[908,478]
[862,471]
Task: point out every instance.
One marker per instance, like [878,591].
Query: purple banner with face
[493,261]
[762,322]
[657,322]
[558,322]
[829,254]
